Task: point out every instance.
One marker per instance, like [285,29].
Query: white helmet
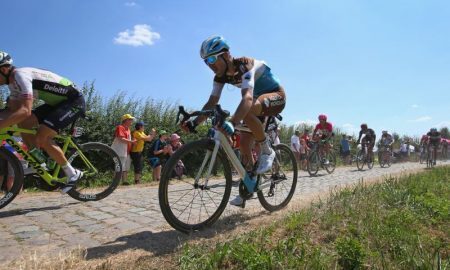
[5,59]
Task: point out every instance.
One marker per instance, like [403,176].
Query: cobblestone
[56,222]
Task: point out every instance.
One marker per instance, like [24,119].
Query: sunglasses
[212,59]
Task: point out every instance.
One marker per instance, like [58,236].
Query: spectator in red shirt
[122,144]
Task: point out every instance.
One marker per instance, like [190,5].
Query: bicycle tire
[381,160]
[281,151]
[96,186]
[189,154]
[370,162]
[360,160]
[9,161]
[331,166]
[313,163]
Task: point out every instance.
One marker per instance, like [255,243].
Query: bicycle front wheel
[101,177]
[330,166]
[198,198]
[313,163]
[360,160]
[278,185]
[11,177]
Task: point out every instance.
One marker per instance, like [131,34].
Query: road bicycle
[100,165]
[198,200]
[320,158]
[364,157]
[385,156]
[423,154]
[431,155]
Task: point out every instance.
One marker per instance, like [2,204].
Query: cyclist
[434,140]
[369,138]
[386,140]
[63,103]
[444,144]
[262,95]
[323,131]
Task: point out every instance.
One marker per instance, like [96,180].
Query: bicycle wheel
[381,159]
[197,199]
[313,163]
[387,159]
[331,165]
[370,161]
[360,160]
[11,177]
[99,183]
[281,180]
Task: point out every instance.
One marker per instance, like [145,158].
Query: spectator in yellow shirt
[136,151]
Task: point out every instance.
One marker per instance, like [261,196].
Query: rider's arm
[359,138]
[19,110]
[212,101]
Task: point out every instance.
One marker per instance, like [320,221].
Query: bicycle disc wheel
[281,180]
[11,177]
[313,163]
[331,165]
[99,183]
[197,199]
[360,160]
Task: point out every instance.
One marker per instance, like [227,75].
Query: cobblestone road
[49,223]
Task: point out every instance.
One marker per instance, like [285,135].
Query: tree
[445,132]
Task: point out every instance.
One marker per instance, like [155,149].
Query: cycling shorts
[60,115]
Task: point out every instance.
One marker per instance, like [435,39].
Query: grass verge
[402,223]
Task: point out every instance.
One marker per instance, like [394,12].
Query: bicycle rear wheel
[370,161]
[281,180]
[313,163]
[11,177]
[331,165]
[197,199]
[360,160]
[101,182]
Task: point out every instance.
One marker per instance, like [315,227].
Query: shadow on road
[19,212]
[165,242]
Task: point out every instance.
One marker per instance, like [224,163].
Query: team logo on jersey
[56,89]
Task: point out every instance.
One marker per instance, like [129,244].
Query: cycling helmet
[5,59]
[322,117]
[384,132]
[363,126]
[213,45]
[433,130]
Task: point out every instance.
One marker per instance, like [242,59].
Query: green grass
[398,224]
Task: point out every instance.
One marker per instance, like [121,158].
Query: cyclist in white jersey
[262,95]
[63,104]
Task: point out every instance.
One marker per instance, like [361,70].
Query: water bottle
[38,156]
[51,164]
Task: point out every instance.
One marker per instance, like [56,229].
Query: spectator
[122,144]
[304,150]
[136,151]
[295,145]
[345,149]
[404,150]
[174,145]
[159,152]
[305,136]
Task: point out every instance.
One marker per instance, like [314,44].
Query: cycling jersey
[324,130]
[29,83]
[369,135]
[250,74]
[387,139]
[435,137]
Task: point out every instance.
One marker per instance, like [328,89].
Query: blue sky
[383,62]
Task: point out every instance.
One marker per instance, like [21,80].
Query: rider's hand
[188,126]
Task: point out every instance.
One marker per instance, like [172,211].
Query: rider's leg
[44,140]
[246,146]
[29,123]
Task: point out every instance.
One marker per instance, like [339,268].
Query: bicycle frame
[221,141]
[5,134]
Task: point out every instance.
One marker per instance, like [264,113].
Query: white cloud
[421,119]
[130,4]
[443,124]
[308,122]
[414,106]
[349,128]
[141,35]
